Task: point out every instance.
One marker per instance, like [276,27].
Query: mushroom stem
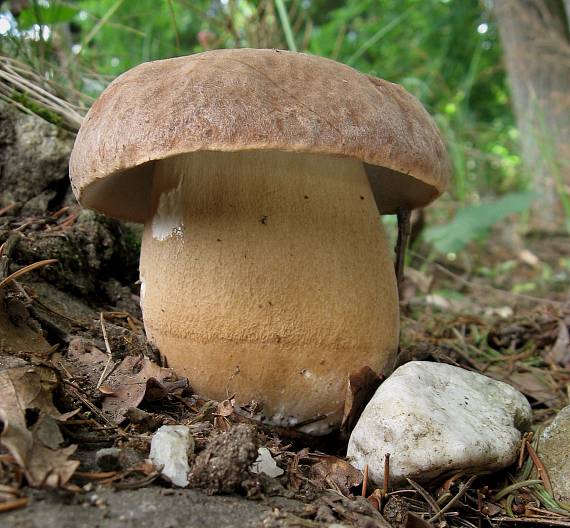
[268,275]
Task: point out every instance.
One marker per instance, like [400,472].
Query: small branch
[404,231]
[25,270]
[109,353]
[7,209]
[448,506]
[13,504]
[426,496]
[386,474]
[539,467]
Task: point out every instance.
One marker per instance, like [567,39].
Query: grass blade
[286,25]
[97,27]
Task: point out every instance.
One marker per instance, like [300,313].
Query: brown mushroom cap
[254,99]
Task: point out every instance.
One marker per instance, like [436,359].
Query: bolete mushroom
[260,176]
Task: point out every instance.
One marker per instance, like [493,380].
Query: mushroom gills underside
[267,275]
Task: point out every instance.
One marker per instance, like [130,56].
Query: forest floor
[64,321]
[77,375]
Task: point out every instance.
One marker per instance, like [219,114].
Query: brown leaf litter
[30,431]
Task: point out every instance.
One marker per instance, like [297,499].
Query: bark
[536,43]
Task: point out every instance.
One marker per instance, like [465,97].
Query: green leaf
[474,222]
[45,15]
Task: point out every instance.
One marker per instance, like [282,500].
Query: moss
[45,113]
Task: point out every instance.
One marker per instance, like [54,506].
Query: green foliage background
[446,52]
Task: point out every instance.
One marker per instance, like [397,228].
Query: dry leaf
[36,449]
[128,383]
[335,473]
[360,388]
[226,407]
[533,384]
[85,360]
[20,338]
[560,351]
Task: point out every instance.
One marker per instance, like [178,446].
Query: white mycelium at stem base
[267,275]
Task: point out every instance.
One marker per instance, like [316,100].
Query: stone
[266,464]
[34,159]
[434,419]
[554,452]
[169,450]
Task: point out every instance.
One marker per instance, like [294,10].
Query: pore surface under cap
[247,99]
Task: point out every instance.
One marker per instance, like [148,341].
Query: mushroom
[260,176]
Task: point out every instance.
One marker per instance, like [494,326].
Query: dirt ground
[151,507]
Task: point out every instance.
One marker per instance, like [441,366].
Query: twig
[448,506]
[404,231]
[109,353]
[386,474]
[365,480]
[9,207]
[26,269]
[13,505]
[523,449]
[426,496]
[542,473]
[94,475]
[532,521]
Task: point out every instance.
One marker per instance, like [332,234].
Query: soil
[149,508]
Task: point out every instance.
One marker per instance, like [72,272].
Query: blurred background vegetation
[446,52]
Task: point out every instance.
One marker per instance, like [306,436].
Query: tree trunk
[536,43]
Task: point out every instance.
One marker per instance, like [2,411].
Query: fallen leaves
[560,351]
[30,431]
[125,387]
[360,388]
[335,473]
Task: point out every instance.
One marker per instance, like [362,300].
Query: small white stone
[169,449]
[554,451]
[266,464]
[434,419]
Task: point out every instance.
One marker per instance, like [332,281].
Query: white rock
[434,419]
[554,451]
[266,464]
[169,448]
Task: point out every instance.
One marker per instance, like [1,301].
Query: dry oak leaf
[127,385]
[360,388]
[36,449]
[336,473]
[560,351]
